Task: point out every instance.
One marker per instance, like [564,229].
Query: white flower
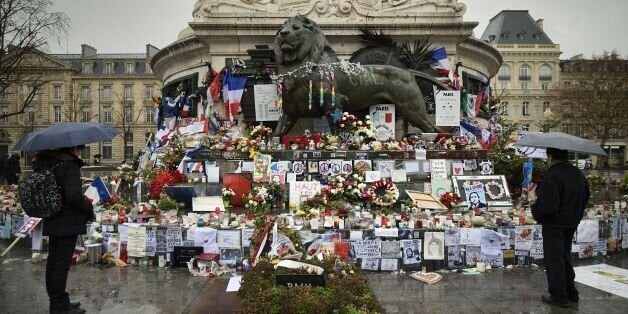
[342,125]
[359,122]
[361,185]
[367,117]
[354,124]
[344,119]
[333,191]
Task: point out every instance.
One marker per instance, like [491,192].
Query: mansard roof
[515,27]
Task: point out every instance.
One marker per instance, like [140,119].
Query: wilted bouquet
[449,199]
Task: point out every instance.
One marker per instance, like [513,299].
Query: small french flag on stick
[97,191]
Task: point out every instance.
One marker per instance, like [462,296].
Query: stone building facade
[531,68]
[88,87]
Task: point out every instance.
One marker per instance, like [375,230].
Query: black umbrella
[562,141]
[66,134]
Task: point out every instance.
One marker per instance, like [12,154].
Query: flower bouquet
[261,132]
[259,201]
[227,194]
[449,199]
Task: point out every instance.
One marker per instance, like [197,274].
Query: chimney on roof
[151,51]
[88,51]
[539,24]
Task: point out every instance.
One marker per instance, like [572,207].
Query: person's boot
[550,300]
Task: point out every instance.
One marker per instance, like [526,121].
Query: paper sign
[370,264]
[28,227]
[411,166]
[229,238]
[420,154]
[457,168]
[390,264]
[588,230]
[213,174]
[438,168]
[173,238]
[291,177]
[206,237]
[470,236]
[247,166]
[383,119]
[399,176]
[470,165]
[355,235]
[372,176]
[136,242]
[208,204]
[447,108]
[452,236]
[298,167]
[367,248]
[261,167]
[151,242]
[523,237]
[434,246]
[247,234]
[385,168]
[265,97]
[386,232]
[303,190]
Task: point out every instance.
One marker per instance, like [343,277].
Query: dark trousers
[557,259]
[12,179]
[57,268]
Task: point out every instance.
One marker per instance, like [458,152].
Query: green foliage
[346,291]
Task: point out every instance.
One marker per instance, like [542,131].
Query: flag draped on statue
[97,191]
[440,63]
[214,87]
[233,88]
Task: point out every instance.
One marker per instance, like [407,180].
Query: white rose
[367,117]
[344,119]
[342,125]
[359,122]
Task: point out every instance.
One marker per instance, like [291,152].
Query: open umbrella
[562,141]
[66,134]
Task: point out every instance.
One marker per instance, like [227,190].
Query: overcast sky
[117,26]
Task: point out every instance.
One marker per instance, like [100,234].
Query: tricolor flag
[233,88]
[440,63]
[98,191]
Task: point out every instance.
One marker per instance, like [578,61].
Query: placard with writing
[265,97]
[367,249]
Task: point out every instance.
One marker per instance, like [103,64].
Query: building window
[504,73]
[85,116]
[4,94]
[524,85]
[567,84]
[504,84]
[544,86]
[545,73]
[58,114]
[525,110]
[4,110]
[149,92]
[106,115]
[524,73]
[106,92]
[128,148]
[30,114]
[87,68]
[108,68]
[56,93]
[31,90]
[128,92]
[567,128]
[130,68]
[546,105]
[106,150]
[128,114]
[525,127]
[85,153]
[504,108]
[84,92]
[149,70]
[149,114]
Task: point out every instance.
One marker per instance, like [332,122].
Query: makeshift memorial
[429,278]
[385,193]
[227,194]
[449,199]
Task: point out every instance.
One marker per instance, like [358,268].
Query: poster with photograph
[229,238]
[455,256]
[495,189]
[370,264]
[475,197]
[391,249]
[434,246]
[472,255]
[383,119]
[496,260]
[411,251]
[390,264]
[536,250]
[228,256]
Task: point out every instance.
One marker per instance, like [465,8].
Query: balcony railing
[503,77]
[524,77]
[545,77]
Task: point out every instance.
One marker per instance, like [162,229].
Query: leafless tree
[26,26]
[125,118]
[594,96]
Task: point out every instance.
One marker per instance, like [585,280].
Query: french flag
[233,88]
[440,63]
[97,191]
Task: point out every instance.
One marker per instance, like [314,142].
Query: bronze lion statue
[299,41]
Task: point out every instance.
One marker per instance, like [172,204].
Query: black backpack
[40,195]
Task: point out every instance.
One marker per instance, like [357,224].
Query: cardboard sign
[301,280]
[28,227]
[303,190]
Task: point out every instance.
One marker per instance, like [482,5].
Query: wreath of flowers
[489,192]
[385,193]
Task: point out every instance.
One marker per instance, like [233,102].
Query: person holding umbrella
[59,149]
[12,169]
[561,199]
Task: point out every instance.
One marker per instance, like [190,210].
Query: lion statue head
[301,40]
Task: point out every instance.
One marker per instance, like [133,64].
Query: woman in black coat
[64,228]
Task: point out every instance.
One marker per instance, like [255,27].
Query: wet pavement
[142,289]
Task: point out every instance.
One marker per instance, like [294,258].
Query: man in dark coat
[63,229]
[12,169]
[560,204]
